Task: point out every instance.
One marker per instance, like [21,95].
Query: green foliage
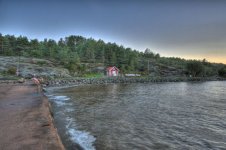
[73,52]
[82,69]
[195,68]
[222,72]
[93,75]
[41,63]
[71,67]
[11,71]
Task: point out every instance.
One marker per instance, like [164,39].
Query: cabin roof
[111,68]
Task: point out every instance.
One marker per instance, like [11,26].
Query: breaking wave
[83,138]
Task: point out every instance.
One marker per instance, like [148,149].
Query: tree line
[73,52]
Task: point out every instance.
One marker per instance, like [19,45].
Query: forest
[76,53]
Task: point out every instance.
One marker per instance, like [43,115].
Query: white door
[114,73]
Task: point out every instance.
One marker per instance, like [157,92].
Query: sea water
[142,116]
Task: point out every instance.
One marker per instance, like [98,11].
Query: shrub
[41,63]
[71,67]
[222,72]
[195,68]
[11,71]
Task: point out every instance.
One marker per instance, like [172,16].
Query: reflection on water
[146,116]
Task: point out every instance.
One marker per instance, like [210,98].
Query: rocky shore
[82,81]
[25,119]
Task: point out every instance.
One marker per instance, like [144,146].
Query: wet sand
[25,119]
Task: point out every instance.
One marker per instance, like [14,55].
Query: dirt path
[25,120]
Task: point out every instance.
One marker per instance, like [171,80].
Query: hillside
[78,56]
[51,69]
[31,66]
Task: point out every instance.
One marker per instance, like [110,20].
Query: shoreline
[72,138]
[25,119]
[65,83]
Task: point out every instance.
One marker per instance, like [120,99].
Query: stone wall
[81,81]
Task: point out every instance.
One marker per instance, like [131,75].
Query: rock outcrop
[29,67]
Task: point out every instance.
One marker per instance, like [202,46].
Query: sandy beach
[25,119]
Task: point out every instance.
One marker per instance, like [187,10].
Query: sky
[191,29]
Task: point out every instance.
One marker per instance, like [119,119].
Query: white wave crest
[84,139]
[59,100]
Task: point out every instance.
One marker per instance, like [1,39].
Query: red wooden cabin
[112,71]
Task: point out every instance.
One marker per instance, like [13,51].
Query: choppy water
[142,116]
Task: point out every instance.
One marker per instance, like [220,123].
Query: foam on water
[83,138]
[69,109]
[59,100]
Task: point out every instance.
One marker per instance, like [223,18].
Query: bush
[11,71]
[195,68]
[41,63]
[222,72]
[71,67]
